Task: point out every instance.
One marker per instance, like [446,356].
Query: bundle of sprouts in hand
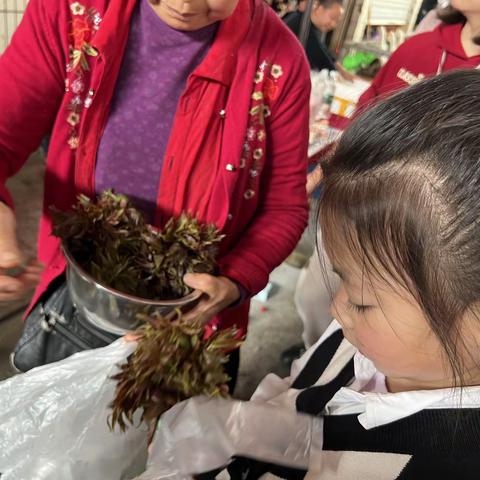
[174,359]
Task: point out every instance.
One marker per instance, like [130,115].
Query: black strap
[243,468]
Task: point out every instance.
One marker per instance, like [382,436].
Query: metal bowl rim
[86,276]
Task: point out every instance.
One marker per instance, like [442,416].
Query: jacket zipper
[94,331]
[71,337]
[54,322]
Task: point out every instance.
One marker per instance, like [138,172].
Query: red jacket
[238,147]
[421,56]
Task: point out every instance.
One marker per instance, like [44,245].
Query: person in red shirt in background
[454,44]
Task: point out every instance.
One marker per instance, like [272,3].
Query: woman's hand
[219,293]
[16,278]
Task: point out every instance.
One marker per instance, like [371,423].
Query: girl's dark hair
[402,192]
[451,15]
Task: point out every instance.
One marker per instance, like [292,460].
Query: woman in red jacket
[198,106]
[454,44]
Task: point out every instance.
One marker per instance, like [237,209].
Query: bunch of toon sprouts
[174,359]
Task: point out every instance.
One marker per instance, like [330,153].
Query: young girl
[454,44]
[392,389]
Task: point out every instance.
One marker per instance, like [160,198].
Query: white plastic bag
[53,422]
[203,434]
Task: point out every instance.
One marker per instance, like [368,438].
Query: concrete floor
[274,325]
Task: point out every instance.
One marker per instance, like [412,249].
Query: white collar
[379,408]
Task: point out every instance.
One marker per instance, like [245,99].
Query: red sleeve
[31,88]
[283,210]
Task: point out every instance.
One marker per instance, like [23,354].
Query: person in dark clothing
[324,18]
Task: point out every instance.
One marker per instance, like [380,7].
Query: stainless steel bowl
[109,309]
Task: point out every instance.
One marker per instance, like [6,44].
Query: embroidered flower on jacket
[258,153]
[263,66]
[73,119]
[265,90]
[255,110]
[76,101]
[84,24]
[77,86]
[83,27]
[258,77]
[73,142]
[97,20]
[276,71]
[270,89]
[77,8]
[81,31]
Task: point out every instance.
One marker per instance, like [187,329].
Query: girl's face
[193,14]
[388,326]
[466,6]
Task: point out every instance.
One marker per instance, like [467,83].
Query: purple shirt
[154,72]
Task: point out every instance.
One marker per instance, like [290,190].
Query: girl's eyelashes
[357,308]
